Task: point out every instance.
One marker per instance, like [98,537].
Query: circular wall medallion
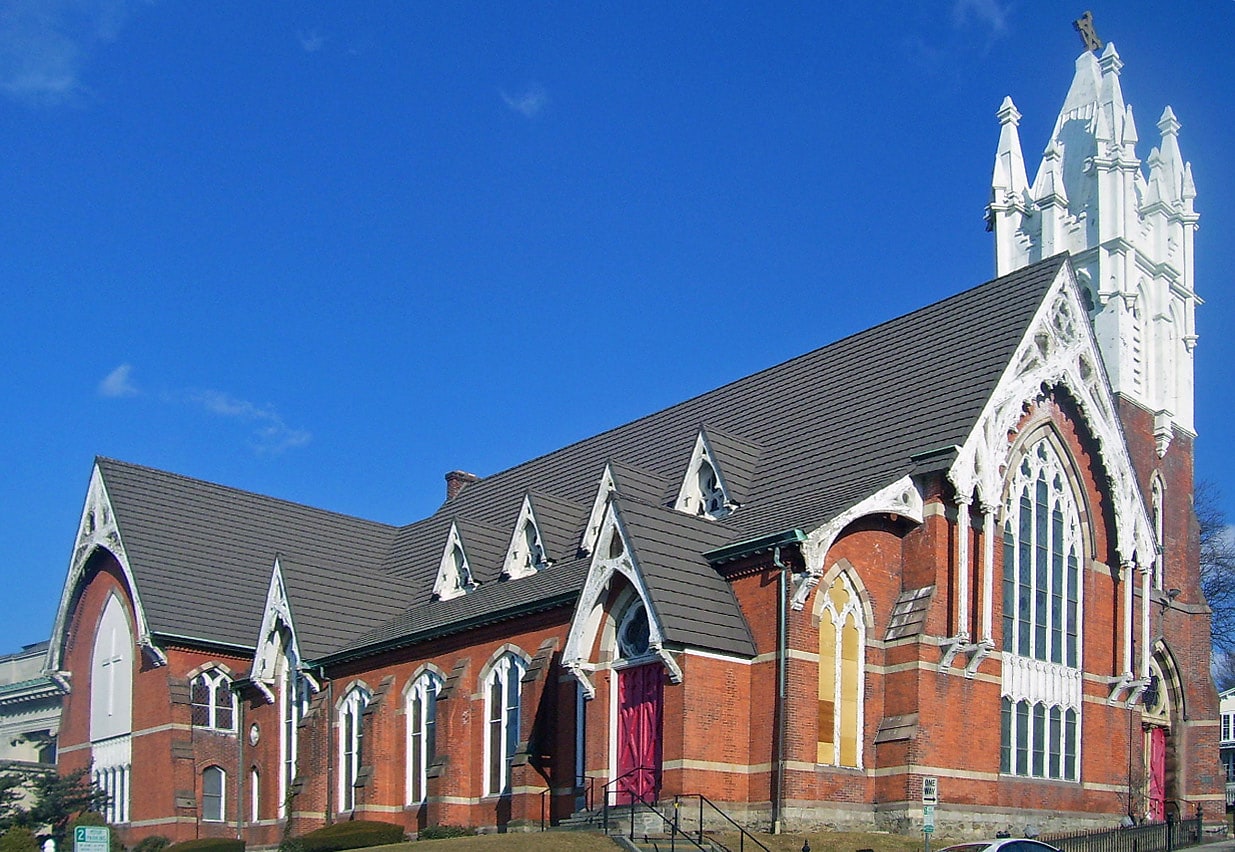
[255,733]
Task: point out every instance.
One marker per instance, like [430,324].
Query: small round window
[634,632]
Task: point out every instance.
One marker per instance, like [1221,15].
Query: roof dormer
[454,575]
[704,491]
[591,532]
[526,554]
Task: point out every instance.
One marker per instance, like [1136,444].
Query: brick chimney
[456,481]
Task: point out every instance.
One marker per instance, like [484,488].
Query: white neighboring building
[1226,742]
[29,710]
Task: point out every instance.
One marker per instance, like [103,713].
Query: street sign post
[91,838]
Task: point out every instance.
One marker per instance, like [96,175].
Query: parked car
[1003,844]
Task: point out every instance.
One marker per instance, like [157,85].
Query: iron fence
[1148,837]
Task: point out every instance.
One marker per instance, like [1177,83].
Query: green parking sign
[91,838]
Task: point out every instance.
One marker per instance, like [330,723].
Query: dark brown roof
[798,443]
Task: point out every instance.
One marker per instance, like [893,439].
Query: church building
[957,549]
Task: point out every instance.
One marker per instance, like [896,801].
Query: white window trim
[424,688]
[222,775]
[292,696]
[351,707]
[255,796]
[827,612]
[1158,510]
[1030,678]
[215,679]
[507,667]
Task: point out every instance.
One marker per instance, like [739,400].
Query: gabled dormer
[526,554]
[632,482]
[607,485]
[704,491]
[278,652]
[454,574]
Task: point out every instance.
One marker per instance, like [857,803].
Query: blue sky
[331,251]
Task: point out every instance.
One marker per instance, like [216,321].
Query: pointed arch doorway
[1158,709]
[640,709]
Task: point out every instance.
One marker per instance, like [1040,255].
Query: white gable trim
[690,496]
[597,516]
[1058,349]
[589,610]
[453,581]
[98,530]
[270,646]
[518,563]
[900,498]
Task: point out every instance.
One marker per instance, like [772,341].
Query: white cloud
[310,40]
[271,434]
[988,13]
[530,103]
[44,45]
[119,383]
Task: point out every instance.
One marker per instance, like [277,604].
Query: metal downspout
[329,751]
[782,665]
[240,773]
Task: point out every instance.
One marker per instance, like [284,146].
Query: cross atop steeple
[1127,223]
[1084,26]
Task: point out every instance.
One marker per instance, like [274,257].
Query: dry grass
[573,841]
[550,841]
[833,841]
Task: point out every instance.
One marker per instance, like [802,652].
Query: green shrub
[442,832]
[355,834]
[153,843]
[19,839]
[208,844]
[291,844]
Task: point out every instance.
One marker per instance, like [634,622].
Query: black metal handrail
[670,824]
[743,834]
[589,792]
[605,792]
[1147,837]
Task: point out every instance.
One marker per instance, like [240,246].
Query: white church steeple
[1130,233]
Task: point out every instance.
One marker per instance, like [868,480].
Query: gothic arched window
[502,708]
[351,717]
[1042,559]
[214,783]
[634,632]
[421,714]
[842,643]
[214,704]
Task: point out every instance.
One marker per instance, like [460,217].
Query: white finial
[1110,61]
[1168,124]
[1008,113]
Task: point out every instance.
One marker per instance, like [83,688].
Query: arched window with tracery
[842,643]
[351,718]
[502,709]
[214,704]
[421,715]
[1042,560]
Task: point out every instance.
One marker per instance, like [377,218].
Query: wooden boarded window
[842,640]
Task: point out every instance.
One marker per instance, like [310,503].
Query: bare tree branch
[1218,576]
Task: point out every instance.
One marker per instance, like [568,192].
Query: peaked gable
[200,554]
[1058,348]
